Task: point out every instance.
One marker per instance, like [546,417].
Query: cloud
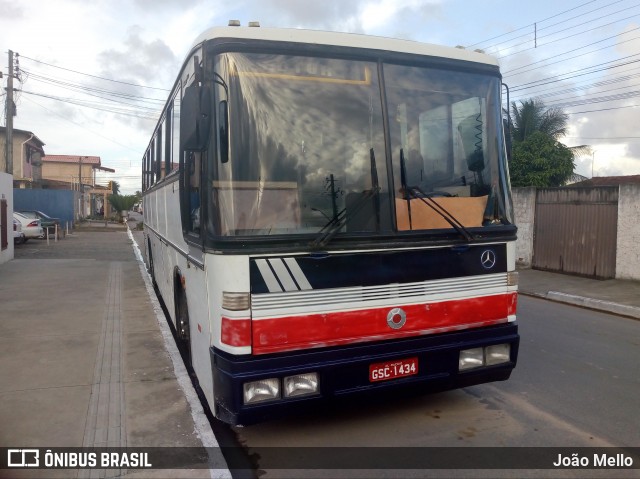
[11,11]
[139,61]
[388,17]
[154,5]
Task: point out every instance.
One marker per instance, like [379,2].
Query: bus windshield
[307,149]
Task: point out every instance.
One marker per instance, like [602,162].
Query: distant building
[63,171]
[77,173]
[609,181]
[575,178]
[27,158]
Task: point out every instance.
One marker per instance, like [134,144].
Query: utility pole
[9,116]
[80,189]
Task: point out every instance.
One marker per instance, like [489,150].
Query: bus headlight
[235,301]
[497,354]
[263,390]
[301,385]
[471,358]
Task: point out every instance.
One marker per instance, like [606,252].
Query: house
[76,173]
[27,158]
[609,181]
[63,171]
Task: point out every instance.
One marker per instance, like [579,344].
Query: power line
[571,51]
[604,137]
[568,28]
[530,25]
[78,87]
[563,89]
[601,109]
[95,76]
[81,126]
[92,106]
[555,79]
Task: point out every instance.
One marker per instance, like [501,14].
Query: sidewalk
[86,362]
[612,295]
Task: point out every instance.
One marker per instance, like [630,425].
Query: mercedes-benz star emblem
[396,318]
[488,259]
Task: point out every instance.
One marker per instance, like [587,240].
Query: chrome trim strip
[358,297]
[197,263]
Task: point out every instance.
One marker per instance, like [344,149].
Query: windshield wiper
[329,230]
[339,219]
[442,211]
[417,193]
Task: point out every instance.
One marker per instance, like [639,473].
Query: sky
[93,75]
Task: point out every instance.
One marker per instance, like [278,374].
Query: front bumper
[344,371]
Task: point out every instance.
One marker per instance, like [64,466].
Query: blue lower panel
[344,371]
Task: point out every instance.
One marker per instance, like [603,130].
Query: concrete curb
[590,303]
[200,420]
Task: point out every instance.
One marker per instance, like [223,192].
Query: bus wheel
[182,322]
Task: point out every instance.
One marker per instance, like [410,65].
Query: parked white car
[18,235]
[31,227]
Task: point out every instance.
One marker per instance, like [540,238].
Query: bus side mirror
[195,118]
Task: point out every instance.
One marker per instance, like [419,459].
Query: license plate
[398,368]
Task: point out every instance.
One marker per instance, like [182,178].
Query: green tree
[538,158]
[540,161]
[115,187]
[122,203]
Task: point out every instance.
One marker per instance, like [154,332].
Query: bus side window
[193,166]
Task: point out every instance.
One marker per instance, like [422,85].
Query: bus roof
[345,39]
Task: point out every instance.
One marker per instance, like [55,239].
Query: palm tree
[533,115]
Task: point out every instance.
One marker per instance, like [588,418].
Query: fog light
[301,385]
[471,358]
[497,354]
[263,390]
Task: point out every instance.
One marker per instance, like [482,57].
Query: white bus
[329,214]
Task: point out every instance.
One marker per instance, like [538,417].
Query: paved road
[581,367]
[576,385]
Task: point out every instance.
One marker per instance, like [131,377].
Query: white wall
[6,192]
[524,206]
[628,247]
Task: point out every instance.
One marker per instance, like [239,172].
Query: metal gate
[576,231]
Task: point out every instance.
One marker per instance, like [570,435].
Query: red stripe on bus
[236,332]
[340,328]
